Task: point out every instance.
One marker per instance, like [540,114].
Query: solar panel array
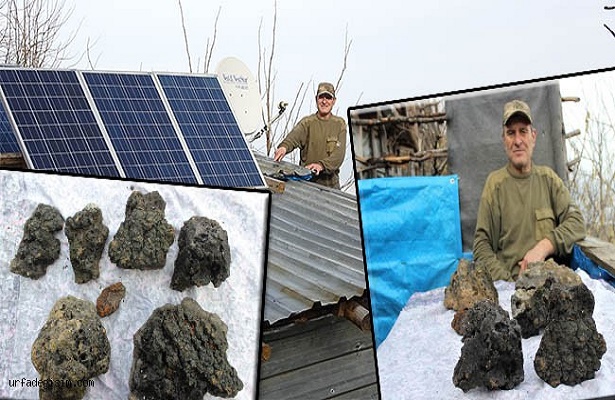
[55,123]
[210,130]
[169,127]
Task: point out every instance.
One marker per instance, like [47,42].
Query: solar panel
[8,141]
[139,127]
[210,131]
[55,123]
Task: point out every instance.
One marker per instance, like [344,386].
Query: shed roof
[315,255]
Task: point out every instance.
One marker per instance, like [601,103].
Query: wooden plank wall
[326,358]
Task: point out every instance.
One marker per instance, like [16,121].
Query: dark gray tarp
[474,130]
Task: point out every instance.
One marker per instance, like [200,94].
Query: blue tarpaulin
[412,238]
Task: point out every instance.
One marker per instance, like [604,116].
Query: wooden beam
[12,160]
[416,119]
[600,252]
[275,185]
[574,133]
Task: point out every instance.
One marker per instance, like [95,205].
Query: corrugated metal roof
[315,254]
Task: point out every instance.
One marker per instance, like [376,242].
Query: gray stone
[468,285]
[204,254]
[87,236]
[491,355]
[143,239]
[528,304]
[571,347]
[71,348]
[180,353]
[39,247]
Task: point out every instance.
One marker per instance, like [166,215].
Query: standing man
[321,138]
[525,212]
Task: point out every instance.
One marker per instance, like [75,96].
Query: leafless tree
[32,32]
[592,183]
[209,47]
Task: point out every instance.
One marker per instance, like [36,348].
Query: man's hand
[279,154]
[540,252]
[316,168]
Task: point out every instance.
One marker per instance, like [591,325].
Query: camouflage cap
[325,87]
[516,107]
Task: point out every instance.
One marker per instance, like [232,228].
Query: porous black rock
[180,353]
[87,235]
[71,348]
[571,347]
[468,285]
[144,237]
[491,355]
[204,254]
[528,302]
[39,247]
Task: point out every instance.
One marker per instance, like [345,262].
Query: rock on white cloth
[417,359]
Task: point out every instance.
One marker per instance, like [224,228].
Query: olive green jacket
[516,211]
[320,141]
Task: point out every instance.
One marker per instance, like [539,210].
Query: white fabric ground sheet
[25,303]
[418,358]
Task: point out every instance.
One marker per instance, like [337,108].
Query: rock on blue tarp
[412,238]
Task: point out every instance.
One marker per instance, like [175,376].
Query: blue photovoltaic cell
[211,132]
[55,122]
[8,141]
[139,127]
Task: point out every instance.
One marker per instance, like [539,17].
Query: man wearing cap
[525,212]
[321,138]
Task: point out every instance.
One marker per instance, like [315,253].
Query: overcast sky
[400,49]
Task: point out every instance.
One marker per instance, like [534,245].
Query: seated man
[525,212]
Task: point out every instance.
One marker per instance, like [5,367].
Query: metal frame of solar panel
[139,126]
[208,126]
[53,122]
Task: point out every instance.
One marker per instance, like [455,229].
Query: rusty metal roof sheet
[315,254]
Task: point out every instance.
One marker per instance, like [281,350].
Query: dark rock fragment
[109,300]
[143,239]
[87,236]
[468,285]
[204,254]
[180,353]
[491,355]
[571,347]
[528,303]
[71,347]
[39,247]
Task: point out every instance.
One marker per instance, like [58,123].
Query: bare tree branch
[31,32]
[181,14]
[210,49]
[347,44]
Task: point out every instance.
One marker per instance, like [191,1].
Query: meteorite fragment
[468,285]
[39,247]
[143,239]
[204,254]
[528,304]
[571,347]
[491,355]
[71,348]
[109,300]
[180,353]
[87,236]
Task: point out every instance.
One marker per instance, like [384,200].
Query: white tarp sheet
[25,303]
[418,358]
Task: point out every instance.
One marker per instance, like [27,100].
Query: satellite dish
[242,93]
